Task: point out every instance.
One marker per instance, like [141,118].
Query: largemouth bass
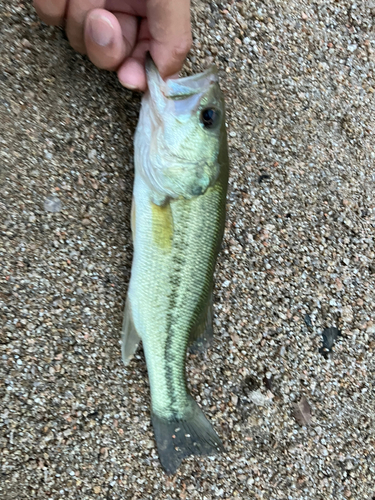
[178,215]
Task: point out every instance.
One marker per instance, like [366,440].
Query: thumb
[170,30]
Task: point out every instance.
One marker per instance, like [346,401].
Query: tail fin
[176,439]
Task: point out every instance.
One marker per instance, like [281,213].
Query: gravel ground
[74,423]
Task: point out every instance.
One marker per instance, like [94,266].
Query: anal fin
[201,336]
[129,336]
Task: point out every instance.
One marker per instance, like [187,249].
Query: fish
[181,170]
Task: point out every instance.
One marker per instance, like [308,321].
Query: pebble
[92,154]
[52,204]
[74,422]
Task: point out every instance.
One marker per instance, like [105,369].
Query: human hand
[116,34]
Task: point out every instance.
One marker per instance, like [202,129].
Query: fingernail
[101,31]
[129,86]
[131,75]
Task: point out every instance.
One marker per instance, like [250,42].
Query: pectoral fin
[162,226]
[129,336]
[201,337]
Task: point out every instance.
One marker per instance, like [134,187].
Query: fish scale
[169,325]
[178,215]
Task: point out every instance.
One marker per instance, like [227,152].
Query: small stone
[96,490]
[352,47]
[52,204]
[92,154]
[26,43]
[302,411]
[259,399]
[347,314]
[324,451]
[307,320]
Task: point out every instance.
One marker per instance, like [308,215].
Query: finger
[131,73]
[51,11]
[105,43]
[170,29]
[75,19]
[133,7]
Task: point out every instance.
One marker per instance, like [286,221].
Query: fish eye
[209,117]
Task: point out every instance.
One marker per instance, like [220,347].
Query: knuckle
[51,12]
[38,5]
[182,47]
[108,62]
[78,46]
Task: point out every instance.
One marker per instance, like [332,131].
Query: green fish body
[178,215]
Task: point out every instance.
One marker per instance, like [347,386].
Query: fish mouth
[181,88]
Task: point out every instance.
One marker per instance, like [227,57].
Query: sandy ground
[74,423]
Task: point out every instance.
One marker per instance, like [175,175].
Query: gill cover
[176,147]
